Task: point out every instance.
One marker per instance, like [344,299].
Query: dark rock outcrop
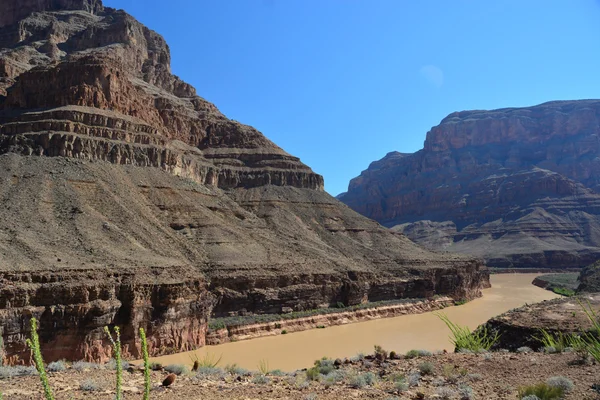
[589,279]
[522,326]
[127,199]
[519,187]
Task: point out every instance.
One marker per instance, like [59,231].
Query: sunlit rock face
[519,187]
[127,199]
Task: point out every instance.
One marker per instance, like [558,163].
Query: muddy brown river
[419,331]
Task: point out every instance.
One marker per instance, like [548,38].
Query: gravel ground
[489,376]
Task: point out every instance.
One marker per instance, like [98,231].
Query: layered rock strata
[517,186]
[129,200]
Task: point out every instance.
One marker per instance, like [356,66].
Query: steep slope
[127,199]
[517,186]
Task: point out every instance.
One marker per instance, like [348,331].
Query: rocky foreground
[496,375]
[127,199]
[519,187]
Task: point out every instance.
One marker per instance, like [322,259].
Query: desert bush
[206,372]
[177,369]
[358,357]
[34,345]
[311,396]
[530,397]
[380,353]
[333,377]
[260,380]
[399,380]
[542,390]
[426,368]
[263,367]
[17,370]
[465,392]
[393,355]
[277,372]
[463,338]
[417,353]
[558,341]
[524,349]
[233,369]
[446,393]
[560,381]
[57,366]
[474,377]
[413,379]
[89,385]
[588,343]
[207,360]
[83,365]
[358,381]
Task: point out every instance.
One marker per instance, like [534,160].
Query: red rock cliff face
[517,186]
[127,199]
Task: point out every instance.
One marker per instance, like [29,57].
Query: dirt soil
[491,376]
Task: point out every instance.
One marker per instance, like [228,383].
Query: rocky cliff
[589,279]
[517,186]
[127,199]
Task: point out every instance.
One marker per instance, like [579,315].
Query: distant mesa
[519,187]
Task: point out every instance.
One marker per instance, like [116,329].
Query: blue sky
[339,83]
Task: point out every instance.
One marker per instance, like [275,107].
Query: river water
[419,331]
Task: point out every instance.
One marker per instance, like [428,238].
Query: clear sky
[339,83]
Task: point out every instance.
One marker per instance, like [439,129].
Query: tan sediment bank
[252,331]
[401,333]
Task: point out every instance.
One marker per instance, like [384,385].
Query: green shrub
[177,369]
[34,345]
[260,380]
[465,392]
[426,368]
[380,353]
[463,338]
[558,342]
[277,372]
[82,365]
[57,366]
[543,391]
[446,393]
[563,291]
[358,381]
[89,385]
[233,369]
[207,360]
[263,367]
[413,379]
[206,372]
[312,374]
[112,365]
[17,370]
[561,382]
[284,332]
[333,377]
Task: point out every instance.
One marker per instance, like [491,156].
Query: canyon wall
[518,187]
[129,200]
